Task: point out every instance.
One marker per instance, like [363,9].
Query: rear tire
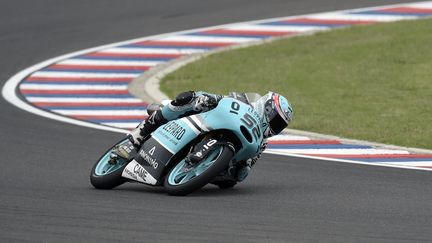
[181,189]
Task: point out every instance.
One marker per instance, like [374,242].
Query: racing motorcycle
[184,155]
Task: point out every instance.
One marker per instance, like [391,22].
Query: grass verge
[366,82]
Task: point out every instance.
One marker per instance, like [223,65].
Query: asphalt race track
[44,179]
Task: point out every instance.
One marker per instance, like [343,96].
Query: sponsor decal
[136,172]
[151,151]
[175,130]
[148,157]
[158,151]
[254,113]
[201,150]
[140,171]
[128,174]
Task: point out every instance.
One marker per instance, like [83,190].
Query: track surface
[46,195]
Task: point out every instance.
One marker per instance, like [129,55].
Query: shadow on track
[209,190]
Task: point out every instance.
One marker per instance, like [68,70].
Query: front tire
[181,181]
[105,175]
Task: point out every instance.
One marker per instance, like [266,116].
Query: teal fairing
[230,114]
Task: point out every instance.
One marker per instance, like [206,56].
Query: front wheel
[183,179]
[105,175]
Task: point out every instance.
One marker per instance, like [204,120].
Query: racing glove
[205,102]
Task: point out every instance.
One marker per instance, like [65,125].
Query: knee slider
[184,98]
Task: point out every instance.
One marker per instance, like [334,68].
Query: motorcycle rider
[275,110]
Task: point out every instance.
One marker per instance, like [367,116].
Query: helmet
[277,112]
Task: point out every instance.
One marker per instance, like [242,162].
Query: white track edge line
[348,161]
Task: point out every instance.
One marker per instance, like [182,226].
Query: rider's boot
[145,128]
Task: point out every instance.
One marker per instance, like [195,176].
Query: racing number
[235,107]
[247,119]
[251,123]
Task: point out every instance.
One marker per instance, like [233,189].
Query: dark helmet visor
[277,123]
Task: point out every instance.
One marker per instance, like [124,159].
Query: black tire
[201,180]
[107,181]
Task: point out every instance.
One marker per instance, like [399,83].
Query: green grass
[367,82]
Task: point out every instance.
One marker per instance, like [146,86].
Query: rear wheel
[105,175]
[184,179]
